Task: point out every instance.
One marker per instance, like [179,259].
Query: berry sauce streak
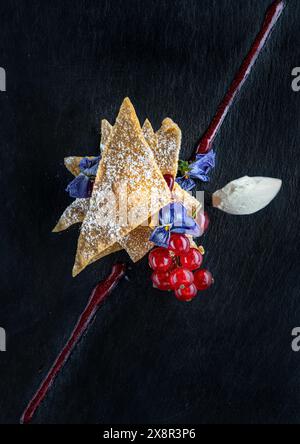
[105,287]
[270,21]
[98,295]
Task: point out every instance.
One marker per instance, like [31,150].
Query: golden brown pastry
[165,145]
[129,163]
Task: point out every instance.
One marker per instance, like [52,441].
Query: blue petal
[208,158]
[91,171]
[161,237]
[183,223]
[202,166]
[186,184]
[175,216]
[190,227]
[173,213]
[79,187]
[179,214]
[166,215]
[89,166]
[203,178]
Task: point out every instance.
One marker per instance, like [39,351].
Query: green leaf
[183,167]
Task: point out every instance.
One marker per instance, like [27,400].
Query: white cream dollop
[246,195]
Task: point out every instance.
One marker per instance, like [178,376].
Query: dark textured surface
[224,358]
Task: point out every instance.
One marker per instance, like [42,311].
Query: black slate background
[226,357]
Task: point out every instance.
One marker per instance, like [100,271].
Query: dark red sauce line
[98,295]
[272,15]
[103,289]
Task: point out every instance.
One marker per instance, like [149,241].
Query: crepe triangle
[136,243]
[127,162]
[76,211]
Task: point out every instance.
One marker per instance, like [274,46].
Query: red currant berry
[161,280]
[203,221]
[179,243]
[186,293]
[160,259]
[170,181]
[203,279]
[181,277]
[206,221]
[192,259]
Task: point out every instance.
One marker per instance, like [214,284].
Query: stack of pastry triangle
[75,213]
[137,157]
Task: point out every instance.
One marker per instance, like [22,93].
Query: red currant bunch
[160,259]
[177,268]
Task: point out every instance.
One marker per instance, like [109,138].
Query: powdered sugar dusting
[168,147]
[126,159]
[73,214]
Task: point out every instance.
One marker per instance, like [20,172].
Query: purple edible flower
[199,169]
[173,219]
[81,186]
[89,166]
